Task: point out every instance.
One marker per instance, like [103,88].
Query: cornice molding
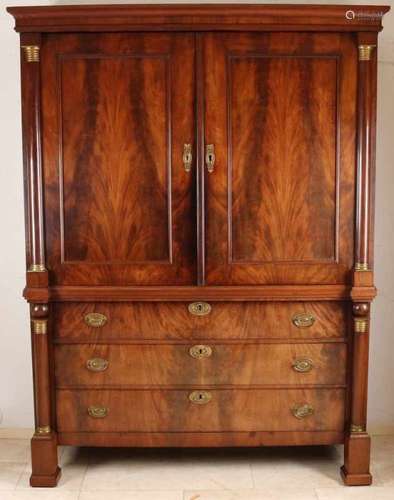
[186,17]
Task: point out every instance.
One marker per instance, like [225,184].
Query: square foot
[355,479]
[38,481]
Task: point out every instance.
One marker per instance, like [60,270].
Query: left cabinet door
[117,111]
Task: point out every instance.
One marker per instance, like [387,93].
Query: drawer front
[100,322]
[200,364]
[213,410]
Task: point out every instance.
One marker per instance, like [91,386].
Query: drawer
[201,364]
[214,410]
[101,322]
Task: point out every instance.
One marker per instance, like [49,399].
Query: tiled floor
[232,474]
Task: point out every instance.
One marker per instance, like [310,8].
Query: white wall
[16,406]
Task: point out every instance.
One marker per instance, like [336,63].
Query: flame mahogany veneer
[199,193]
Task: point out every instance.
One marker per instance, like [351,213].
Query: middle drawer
[200,364]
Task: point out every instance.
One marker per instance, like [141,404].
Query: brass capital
[32,53]
[360,325]
[364,52]
[39,326]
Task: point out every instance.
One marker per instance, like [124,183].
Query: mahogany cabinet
[199,186]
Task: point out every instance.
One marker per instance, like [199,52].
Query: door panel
[116,117]
[280,201]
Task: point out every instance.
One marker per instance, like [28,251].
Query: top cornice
[199,17]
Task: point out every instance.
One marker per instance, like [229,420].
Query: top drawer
[179,320]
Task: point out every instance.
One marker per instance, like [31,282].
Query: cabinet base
[355,479]
[200,439]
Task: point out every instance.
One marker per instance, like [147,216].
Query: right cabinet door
[280,112]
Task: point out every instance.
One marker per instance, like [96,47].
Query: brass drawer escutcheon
[200,397]
[97,364]
[199,308]
[302,365]
[96,320]
[97,411]
[303,320]
[302,411]
[200,351]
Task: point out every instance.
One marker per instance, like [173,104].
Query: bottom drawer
[212,410]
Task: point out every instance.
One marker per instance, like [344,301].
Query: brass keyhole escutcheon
[210,157]
[200,351]
[200,397]
[187,157]
[97,364]
[303,320]
[199,308]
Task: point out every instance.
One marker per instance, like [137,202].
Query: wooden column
[45,470]
[33,181]
[366,118]
[357,444]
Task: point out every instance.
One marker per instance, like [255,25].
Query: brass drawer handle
[200,397]
[303,320]
[302,411]
[95,320]
[302,365]
[97,364]
[97,411]
[199,308]
[200,351]
[187,157]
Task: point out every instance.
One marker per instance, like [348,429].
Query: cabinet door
[117,111]
[280,112]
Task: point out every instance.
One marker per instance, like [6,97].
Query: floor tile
[131,495]
[220,474]
[124,469]
[39,494]
[382,447]
[303,467]
[356,493]
[383,460]
[383,472]
[71,455]
[10,472]
[14,450]
[278,493]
